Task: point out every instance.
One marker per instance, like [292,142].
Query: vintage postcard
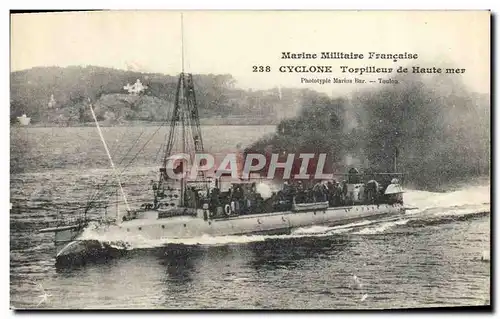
[250,160]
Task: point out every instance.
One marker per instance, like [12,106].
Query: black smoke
[317,129]
[432,128]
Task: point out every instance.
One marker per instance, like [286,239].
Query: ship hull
[185,227]
[189,227]
[79,252]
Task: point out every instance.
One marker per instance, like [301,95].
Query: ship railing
[177,212]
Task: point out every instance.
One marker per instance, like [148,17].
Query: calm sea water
[436,255]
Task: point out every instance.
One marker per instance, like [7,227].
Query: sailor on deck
[237,198]
[215,201]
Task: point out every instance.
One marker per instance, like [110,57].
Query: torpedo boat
[185,208]
[206,206]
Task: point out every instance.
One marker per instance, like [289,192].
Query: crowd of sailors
[243,199]
[249,198]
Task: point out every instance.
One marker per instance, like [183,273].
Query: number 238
[261,68]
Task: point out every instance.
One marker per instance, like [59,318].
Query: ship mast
[186,113]
[182,42]
[183,181]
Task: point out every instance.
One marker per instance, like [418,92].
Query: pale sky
[232,42]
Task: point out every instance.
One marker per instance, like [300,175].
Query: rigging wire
[142,148]
[110,158]
[118,144]
[123,158]
[99,195]
[99,192]
[163,146]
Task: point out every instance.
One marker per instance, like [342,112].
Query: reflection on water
[190,276]
[179,263]
[287,253]
[411,270]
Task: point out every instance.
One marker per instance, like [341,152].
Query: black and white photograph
[250,160]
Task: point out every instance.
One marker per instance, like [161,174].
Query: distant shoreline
[248,122]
